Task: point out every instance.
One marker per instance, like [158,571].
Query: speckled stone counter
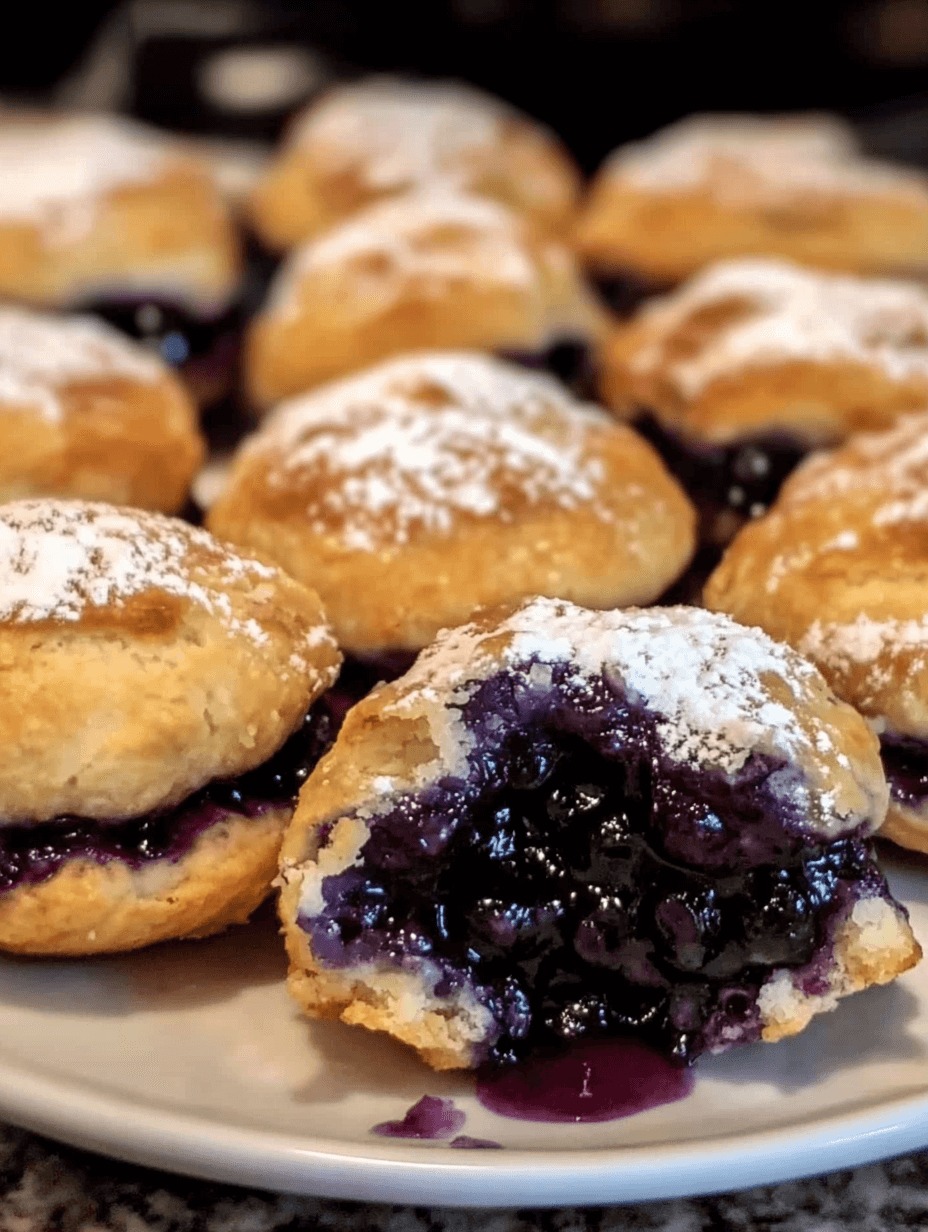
[49,1188]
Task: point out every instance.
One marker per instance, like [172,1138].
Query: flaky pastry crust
[94,205]
[90,908]
[382,137]
[85,412]
[437,269]
[436,483]
[146,659]
[409,735]
[713,187]
[759,347]
[839,569]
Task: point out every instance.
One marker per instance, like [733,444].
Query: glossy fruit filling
[580,885]
[906,765]
[570,360]
[33,853]
[729,484]
[203,347]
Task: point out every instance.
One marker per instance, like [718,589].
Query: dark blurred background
[598,71]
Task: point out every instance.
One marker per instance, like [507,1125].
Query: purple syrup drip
[592,1080]
[906,764]
[431,1119]
[465,1143]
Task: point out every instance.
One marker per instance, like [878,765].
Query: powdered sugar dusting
[436,236]
[747,160]
[416,443]
[61,559]
[39,354]
[721,691]
[869,648]
[394,134]
[893,465]
[790,314]
[53,173]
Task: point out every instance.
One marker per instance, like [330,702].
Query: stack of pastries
[414,657]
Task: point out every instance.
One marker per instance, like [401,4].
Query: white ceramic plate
[190,1057]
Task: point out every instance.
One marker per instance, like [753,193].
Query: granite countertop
[49,1188]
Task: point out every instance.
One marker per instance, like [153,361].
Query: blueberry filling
[31,854]
[202,346]
[570,360]
[625,291]
[729,483]
[906,764]
[581,885]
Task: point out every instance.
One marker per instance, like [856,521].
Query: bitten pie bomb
[569,824]
[385,136]
[755,363]
[438,482]
[99,214]
[839,569]
[86,412]
[719,186]
[162,717]
[433,270]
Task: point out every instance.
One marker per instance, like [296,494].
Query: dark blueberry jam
[30,854]
[176,333]
[571,360]
[730,484]
[593,1080]
[359,674]
[625,291]
[906,765]
[431,1118]
[585,886]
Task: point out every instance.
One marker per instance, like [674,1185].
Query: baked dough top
[746,161]
[41,353]
[745,314]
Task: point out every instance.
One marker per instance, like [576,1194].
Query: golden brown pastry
[433,270]
[437,482]
[386,136]
[718,186]
[86,412]
[839,569]
[164,718]
[568,823]
[101,214]
[753,363]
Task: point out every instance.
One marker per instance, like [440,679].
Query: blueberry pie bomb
[164,712]
[413,493]
[568,823]
[755,363]
[103,215]
[839,569]
[430,270]
[86,412]
[714,187]
[385,136]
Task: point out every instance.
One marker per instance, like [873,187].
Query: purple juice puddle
[429,1119]
[465,1143]
[592,1080]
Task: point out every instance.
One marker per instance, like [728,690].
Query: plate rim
[187,1145]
